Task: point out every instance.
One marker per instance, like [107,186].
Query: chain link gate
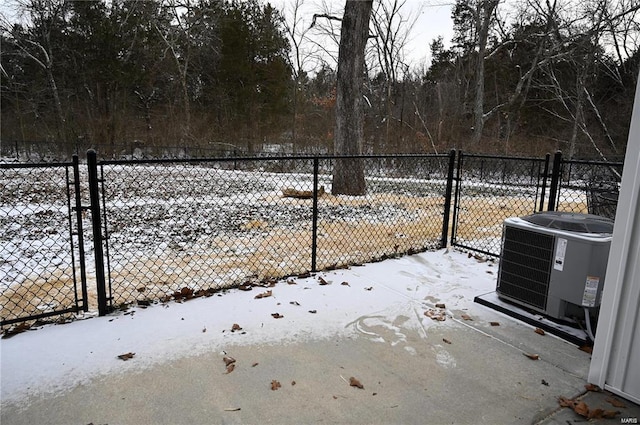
[42,256]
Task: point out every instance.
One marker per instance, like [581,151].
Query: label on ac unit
[590,291]
[561,251]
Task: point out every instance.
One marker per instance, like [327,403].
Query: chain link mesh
[590,187]
[36,255]
[184,229]
[491,189]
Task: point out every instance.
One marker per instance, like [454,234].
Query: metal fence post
[456,201]
[79,209]
[94,196]
[556,172]
[314,225]
[545,175]
[447,199]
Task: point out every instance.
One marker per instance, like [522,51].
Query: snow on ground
[392,295]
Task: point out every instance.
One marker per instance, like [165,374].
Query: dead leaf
[230,367]
[586,349]
[235,327]
[592,387]
[369,288]
[615,402]
[204,330]
[545,383]
[228,360]
[291,282]
[566,402]
[345,284]
[435,315]
[275,385]
[277,315]
[232,409]
[539,331]
[466,317]
[494,323]
[581,409]
[255,364]
[126,356]
[294,303]
[264,295]
[446,340]
[532,356]
[440,305]
[322,281]
[354,382]
[313,311]
[245,287]
[293,383]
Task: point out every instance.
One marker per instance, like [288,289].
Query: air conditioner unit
[554,263]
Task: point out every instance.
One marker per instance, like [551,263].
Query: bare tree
[40,47]
[348,173]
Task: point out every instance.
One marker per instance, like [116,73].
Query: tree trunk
[483,23]
[348,173]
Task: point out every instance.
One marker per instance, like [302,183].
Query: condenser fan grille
[526,266]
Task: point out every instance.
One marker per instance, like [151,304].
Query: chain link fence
[182,229]
[589,187]
[490,189]
[39,245]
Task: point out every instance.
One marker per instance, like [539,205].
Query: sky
[432,19]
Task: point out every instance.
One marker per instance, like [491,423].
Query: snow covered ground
[379,301]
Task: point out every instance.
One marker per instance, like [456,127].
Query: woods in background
[244,76]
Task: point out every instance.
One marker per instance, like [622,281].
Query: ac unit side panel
[525,266]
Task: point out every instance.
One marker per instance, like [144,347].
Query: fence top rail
[588,162]
[486,156]
[35,165]
[265,158]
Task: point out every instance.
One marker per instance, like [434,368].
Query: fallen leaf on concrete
[602,414]
[586,348]
[204,330]
[539,331]
[435,315]
[446,340]
[441,305]
[354,382]
[322,281]
[581,409]
[494,323]
[275,385]
[293,383]
[369,288]
[466,317]
[230,368]
[294,303]
[264,295]
[255,364]
[313,311]
[615,402]
[232,409]
[126,356]
[345,284]
[335,397]
[532,356]
[235,327]
[277,315]
[545,383]
[228,360]
[593,388]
